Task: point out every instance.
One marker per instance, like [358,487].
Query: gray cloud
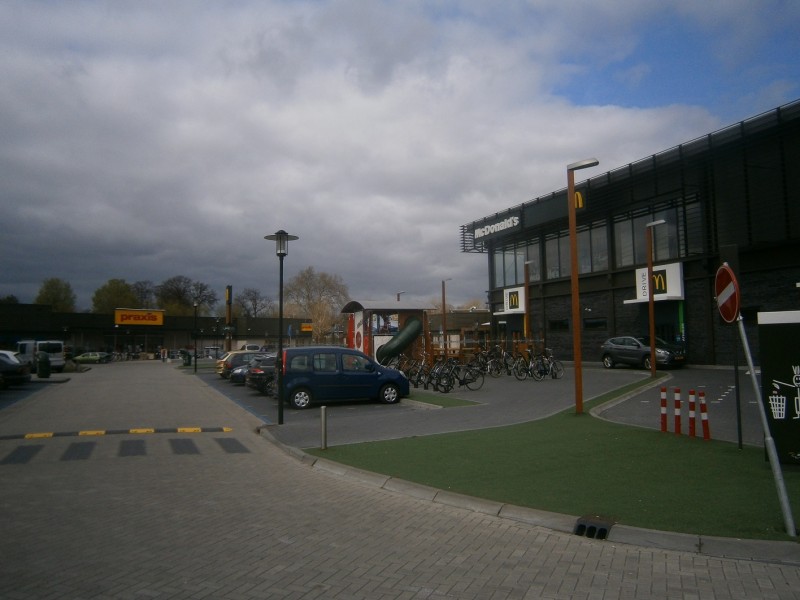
[147,140]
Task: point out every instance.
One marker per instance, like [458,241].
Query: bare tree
[251,303]
[145,292]
[319,296]
[179,294]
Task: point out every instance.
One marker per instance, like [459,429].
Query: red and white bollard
[677,411]
[704,417]
[692,419]
[663,409]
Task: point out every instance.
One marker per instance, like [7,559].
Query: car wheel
[389,394]
[608,362]
[300,398]
[646,363]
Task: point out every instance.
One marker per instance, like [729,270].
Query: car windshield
[646,341]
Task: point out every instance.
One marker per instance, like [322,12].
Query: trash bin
[187,359]
[43,365]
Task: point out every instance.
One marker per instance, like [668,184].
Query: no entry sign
[727,290]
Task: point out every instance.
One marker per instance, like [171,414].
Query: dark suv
[336,374]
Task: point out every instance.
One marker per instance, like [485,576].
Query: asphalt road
[506,400]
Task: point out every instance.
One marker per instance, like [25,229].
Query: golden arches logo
[578,200]
[513,300]
[659,282]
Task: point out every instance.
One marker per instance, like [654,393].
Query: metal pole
[444,322]
[195,338]
[323,415]
[768,441]
[279,359]
[651,311]
[576,307]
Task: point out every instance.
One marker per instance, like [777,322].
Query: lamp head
[583,164]
[281,241]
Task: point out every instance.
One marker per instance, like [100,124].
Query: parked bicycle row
[443,374]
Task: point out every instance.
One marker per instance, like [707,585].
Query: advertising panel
[136,316]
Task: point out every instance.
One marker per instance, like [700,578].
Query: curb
[785,553]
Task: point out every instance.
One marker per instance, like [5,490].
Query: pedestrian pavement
[138,480]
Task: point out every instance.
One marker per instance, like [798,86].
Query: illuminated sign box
[135,316]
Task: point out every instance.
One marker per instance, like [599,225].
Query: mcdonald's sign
[660,282]
[578,200]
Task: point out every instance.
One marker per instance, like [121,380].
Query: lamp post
[527,332]
[650,302]
[576,303]
[195,337]
[444,318]
[398,295]
[281,249]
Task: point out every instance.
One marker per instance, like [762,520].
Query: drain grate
[593,527]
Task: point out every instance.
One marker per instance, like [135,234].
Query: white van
[27,350]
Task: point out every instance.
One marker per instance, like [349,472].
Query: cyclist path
[153,485]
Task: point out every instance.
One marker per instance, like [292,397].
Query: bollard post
[692,422]
[323,417]
[704,416]
[663,409]
[677,411]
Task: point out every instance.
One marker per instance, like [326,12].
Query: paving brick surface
[228,514]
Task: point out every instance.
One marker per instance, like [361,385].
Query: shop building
[732,195]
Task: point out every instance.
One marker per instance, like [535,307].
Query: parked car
[11,355]
[635,351]
[334,374]
[93,357]
[13,372]
[261,374]
[239,374]
[232,360]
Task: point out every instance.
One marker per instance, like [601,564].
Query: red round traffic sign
[727,290]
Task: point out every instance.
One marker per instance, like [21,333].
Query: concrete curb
[787,553]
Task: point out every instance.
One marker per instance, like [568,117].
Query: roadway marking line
[36,435]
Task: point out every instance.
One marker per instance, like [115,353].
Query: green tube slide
[404,338]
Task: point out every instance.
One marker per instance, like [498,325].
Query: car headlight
[662,353]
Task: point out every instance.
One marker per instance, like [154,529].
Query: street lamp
[576,303]
[398,295]
[444,318]
[281,249]
[650,302]
[195,337]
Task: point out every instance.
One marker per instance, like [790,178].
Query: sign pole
[728,301]
[777,474]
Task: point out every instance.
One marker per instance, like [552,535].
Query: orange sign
[135,316]
[306,327]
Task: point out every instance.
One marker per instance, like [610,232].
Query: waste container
[43,365]
[187,359]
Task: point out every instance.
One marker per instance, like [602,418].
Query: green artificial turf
[581,465]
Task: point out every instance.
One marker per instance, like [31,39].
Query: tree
[145,293]
[115,293]
[58,294]
[319,296]
[251,303]
[10,299]
[178,295]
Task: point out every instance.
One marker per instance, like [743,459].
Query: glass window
[551,258]
[534,261]
[509,264]
[564,258]
[623,243]
[600,247]
[325,362]
[498,268]
[584,251]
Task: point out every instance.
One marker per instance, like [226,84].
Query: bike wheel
[495,370]
[473,379]
[445,383]
[557,369]
[520,369]
[538,370]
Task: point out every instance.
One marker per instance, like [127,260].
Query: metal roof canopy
[355,306]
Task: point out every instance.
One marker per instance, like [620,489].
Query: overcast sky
[142,140]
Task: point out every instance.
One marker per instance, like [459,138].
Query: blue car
[335,374]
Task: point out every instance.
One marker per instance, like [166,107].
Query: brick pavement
[228,514]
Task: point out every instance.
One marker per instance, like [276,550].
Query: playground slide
[404,338]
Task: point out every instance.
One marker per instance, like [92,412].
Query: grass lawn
[580,465]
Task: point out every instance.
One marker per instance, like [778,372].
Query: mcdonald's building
[731,195]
